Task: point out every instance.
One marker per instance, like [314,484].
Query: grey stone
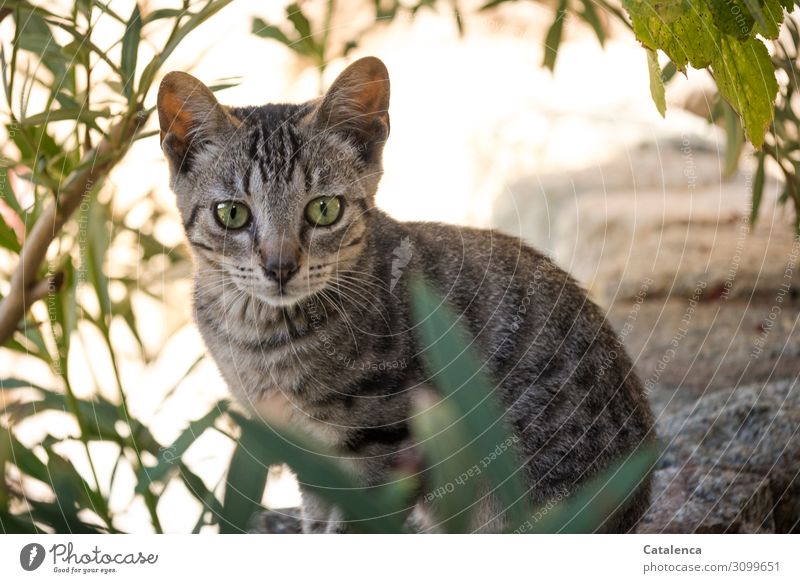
[700,499]
[731,457]
[705,346]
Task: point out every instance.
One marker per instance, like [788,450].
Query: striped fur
[333,351]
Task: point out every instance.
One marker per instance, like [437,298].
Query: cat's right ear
[357,105]
[190,118]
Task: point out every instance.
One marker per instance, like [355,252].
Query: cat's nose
[280,271]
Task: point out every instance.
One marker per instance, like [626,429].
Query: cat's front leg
[320,517]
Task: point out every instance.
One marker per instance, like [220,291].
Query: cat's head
[276,197]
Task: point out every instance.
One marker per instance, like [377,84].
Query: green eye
[232,215]
[323,211]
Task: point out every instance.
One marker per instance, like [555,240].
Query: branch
[94,168]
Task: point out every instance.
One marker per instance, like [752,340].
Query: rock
[699,499]
[693,245]
[704,346]
[530,207]
[733,456]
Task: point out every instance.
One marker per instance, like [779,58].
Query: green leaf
[34,35]
[745,77]
[590,16]
[6,193]
[209,9]
[493,3]
[303,27]
[79,114]
[8,237]
[130,50]
[694,33]
[198,489]
[318,470]
[163,13]
[734,143]
[11,383]
[684,31]
[100,414]
[98,235]
[301,24]
[13,524]
[264,30]
[768,16]
[169,457]
[458,373]
[553,38]
[247,479]
[656,82]
[452,475]
[12,451]
[758,186]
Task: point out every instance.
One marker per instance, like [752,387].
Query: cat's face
[274,198]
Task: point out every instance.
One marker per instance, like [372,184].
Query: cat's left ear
[190,118]
[357,104]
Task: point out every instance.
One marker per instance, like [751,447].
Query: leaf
[734,142]
[11,383]
[12,524]
[130,51]
[301,24]
[493,3]
[656,82]
[694,33]
[553,38]
[8,237]
[588,509]
[170,457]
[451,476]
[198,489]
[79,114]
[264,30]
[590,16]
[247,479]
[163,13]
[98,235]
[746,79]
[365,508]
[303,27]
[12,451]
[758,187]
[226,83]
[34,35]
[195,20]
[457,372]
[6,192]
[100,414]
[768,16]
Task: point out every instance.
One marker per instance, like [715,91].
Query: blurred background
[535,118]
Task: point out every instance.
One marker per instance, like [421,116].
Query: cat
[301,296]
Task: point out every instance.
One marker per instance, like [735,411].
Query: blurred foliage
[57,227]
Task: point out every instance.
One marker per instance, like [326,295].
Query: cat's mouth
[283,296]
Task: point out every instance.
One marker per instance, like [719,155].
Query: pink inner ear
[174,116]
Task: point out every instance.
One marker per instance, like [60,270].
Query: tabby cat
[301,295]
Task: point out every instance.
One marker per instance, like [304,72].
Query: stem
[72,403]
[100,161]
[150,500]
